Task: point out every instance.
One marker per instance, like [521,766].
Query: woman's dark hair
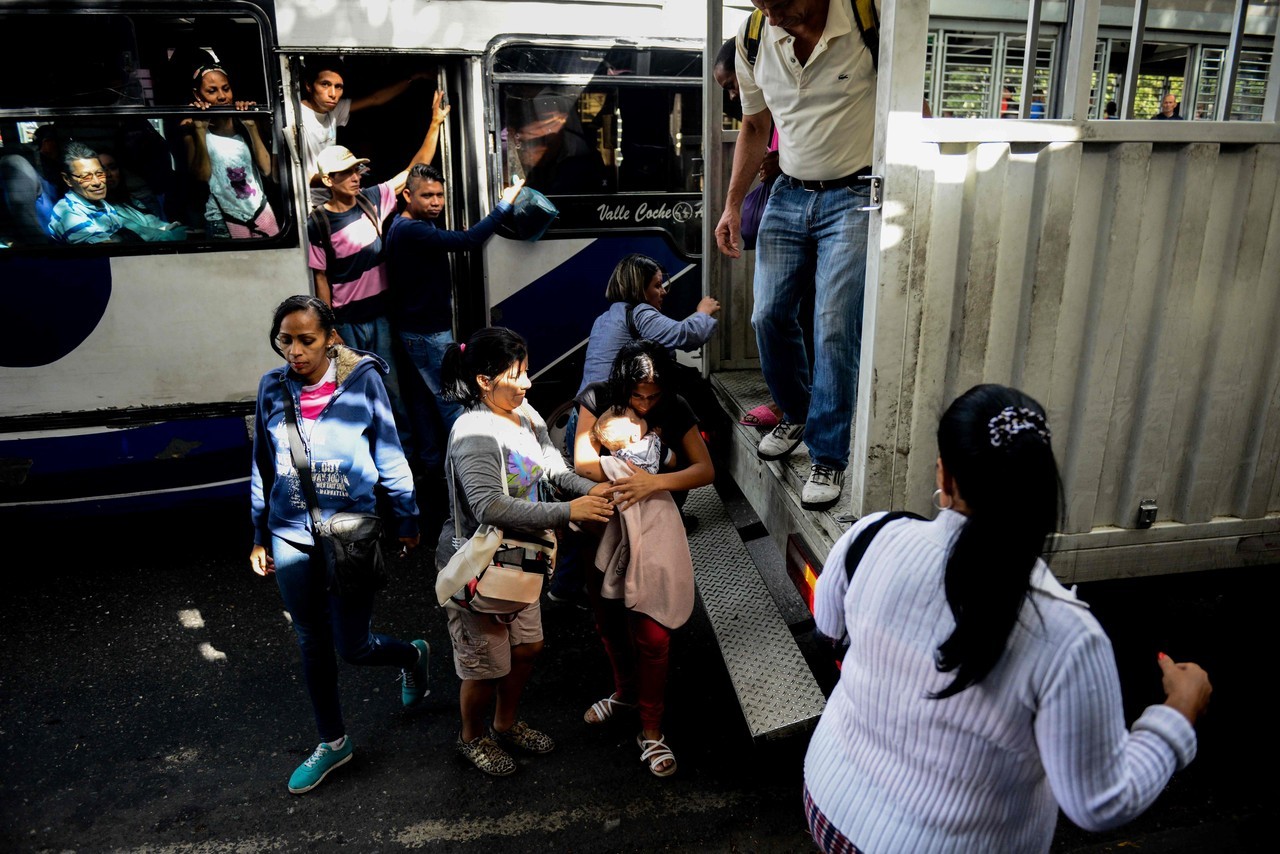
[994,442]
[630,278]
[642,361]
[490,352]
[301,302]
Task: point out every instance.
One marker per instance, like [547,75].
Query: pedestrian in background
[977,695]
[345,422]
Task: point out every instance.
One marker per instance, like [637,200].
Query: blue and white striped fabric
[987,769]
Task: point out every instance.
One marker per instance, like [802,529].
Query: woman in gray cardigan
[499,450]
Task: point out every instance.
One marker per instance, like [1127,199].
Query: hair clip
[1011,421]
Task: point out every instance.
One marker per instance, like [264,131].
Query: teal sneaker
[312,772]
[413,682]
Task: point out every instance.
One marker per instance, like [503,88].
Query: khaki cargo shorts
[482,642]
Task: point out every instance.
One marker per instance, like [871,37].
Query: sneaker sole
[818,505]
[788,452]
[343,761]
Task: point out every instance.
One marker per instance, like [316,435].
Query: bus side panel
[171,329]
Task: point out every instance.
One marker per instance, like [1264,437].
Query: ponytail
[490,352]
[994,442]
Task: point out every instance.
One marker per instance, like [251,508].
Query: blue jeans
[427,354]
[376,336]
[323,622]
[819,237]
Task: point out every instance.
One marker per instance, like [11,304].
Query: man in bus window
[814,77]
[85,216]
[1168,108]
[422,289]
[551,147]
[324,110]
[345,255]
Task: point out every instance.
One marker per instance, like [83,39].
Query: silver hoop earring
[937,500]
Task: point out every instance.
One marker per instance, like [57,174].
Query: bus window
[73,173]
[582,121]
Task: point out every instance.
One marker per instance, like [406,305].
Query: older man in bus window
[85,216]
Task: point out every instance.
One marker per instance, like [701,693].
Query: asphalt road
[151,699]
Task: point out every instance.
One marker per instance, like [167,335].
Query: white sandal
[655,751]
[604,709]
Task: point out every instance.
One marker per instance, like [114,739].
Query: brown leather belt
[835,183]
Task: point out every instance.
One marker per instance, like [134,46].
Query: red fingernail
[1161,656]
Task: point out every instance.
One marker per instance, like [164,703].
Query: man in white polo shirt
[814,77]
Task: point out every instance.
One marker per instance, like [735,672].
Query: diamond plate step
[775,687]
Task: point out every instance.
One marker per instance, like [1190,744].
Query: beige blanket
[644,556]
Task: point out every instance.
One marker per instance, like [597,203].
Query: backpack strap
[868,22]
[755,25]
[858,548]
[862,542]
[865,18]
[320,217]
[362,201]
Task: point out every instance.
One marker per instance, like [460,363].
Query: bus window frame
[271,110]
[492,81]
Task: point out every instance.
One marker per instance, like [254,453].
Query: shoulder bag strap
[298,451]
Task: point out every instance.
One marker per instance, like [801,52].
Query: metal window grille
[1250,90]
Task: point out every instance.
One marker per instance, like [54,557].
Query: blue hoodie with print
[352,446]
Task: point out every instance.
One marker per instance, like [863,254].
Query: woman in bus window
[230,155]
[345,424]
[636,629]
[978,695]
[499,452]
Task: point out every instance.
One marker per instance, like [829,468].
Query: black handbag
[352,542]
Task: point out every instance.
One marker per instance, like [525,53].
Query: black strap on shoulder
[631,321]
[755,25]
[298,451]
[865,18]
[868,22]
[320,216]
[860,543]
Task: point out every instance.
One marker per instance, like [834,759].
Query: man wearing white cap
[345,254]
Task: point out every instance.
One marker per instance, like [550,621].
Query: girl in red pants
[638,601]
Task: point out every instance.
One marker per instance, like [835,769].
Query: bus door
[612,134]
[1122,272]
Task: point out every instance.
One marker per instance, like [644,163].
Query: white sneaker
[781,440]
[822,489]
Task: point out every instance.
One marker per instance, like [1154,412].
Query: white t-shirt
[825,108]
[319,131]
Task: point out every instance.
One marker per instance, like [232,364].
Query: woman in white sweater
[978,695]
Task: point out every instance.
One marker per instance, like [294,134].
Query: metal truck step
[775,687]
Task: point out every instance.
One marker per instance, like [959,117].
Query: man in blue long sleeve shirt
[421,285]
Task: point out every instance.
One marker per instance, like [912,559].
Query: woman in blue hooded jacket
[350,436]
